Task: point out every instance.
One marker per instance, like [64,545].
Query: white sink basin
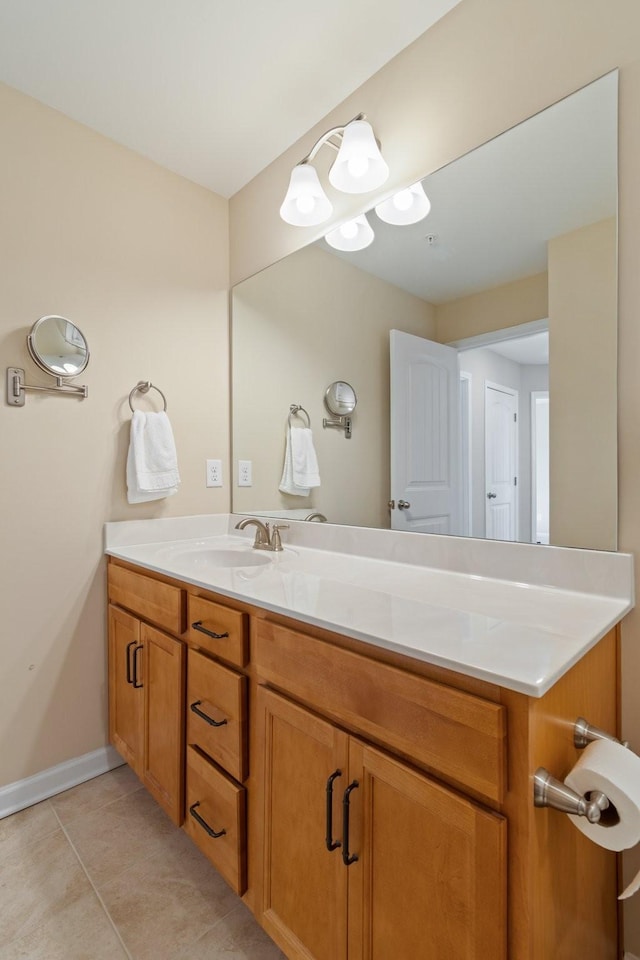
[218,557]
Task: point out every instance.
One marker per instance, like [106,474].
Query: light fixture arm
[325,138]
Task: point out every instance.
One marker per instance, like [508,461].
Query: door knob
[403,504]
[491,496]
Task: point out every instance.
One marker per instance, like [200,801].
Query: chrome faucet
[267,538]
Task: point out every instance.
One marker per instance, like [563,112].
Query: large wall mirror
[514,270]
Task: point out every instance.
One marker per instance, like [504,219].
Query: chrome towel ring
[143,386]
[295,410]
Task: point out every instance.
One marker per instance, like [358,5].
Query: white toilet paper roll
[615,770]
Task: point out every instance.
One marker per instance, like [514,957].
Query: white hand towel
[305,461]
[152,463]
[287,484]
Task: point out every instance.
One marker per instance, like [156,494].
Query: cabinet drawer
[219,694]
[455,734]
[216,805]
[161,603]
[219,630]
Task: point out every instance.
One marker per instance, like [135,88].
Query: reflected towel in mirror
[152,463]
[300,472]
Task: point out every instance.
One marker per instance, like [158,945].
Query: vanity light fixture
[353,235]
[407,206]
[358,168]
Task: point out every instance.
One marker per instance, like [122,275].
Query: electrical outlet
[244,473]
[214,473]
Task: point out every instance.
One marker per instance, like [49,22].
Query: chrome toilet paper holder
[548,791]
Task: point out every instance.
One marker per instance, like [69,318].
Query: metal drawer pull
[128,655]
[331,843]
[203,823]
[135,666]
[216,636]
[214,723]
[347,858]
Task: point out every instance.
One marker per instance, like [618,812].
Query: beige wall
[484,67]
[582,366]
[298,326]
[137,257]
[494,309]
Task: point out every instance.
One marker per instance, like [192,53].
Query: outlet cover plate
[245,471]
[214,473]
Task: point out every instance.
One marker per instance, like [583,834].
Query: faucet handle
[276,542]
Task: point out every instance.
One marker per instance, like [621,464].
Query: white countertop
[521,634]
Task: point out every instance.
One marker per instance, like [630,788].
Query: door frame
[510,391]
[466,452]
[536,395]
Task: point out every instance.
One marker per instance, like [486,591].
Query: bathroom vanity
[330,731]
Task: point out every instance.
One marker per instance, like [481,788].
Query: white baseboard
[24,793]
[630,956]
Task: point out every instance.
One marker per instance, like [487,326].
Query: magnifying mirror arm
[16,388]
[343,423]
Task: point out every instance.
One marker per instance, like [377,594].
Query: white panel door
[501,458]
[425,435]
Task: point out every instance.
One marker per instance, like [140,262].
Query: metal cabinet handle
[347,858]
[331,843]
[491,496]
[200,713]
[403,504]
[135,666]
[216,636]
[203,823]
[128,656]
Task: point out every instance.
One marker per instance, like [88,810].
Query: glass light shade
[359,166]
[306,203]
[352,235]
[406,206]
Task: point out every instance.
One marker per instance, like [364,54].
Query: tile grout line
[92,885]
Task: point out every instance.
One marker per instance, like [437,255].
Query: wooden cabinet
[217,712]
[364,857]
[183,736]
[146,706]
[268,727]
[216,818]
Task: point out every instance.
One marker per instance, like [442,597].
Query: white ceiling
[531,350]
[211,89]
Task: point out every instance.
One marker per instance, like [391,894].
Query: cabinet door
[163,680]
[304,883]
[126,716]
[430,879]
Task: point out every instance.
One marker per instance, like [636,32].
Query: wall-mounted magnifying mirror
[58,347]
[340,398]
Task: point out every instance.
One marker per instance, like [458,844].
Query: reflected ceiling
[473,238]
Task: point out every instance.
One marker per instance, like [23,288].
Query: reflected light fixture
[358,168]
[355,234]
[407,206]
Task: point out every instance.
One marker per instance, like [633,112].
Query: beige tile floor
[100,873]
